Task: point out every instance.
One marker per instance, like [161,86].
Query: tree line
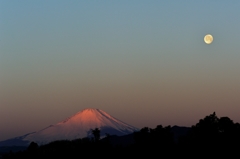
[210,137]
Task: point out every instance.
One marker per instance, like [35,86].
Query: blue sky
[144,62]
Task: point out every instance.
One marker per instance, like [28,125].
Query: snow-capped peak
[80,126]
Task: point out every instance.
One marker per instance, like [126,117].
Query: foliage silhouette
[211,137]
[32,147]
[96,134]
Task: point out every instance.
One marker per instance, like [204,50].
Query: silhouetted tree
[212,135]
[142,137]
[226,125]
[206,129]
[96,134]
[32,147]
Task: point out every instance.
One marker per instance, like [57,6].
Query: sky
[143,62]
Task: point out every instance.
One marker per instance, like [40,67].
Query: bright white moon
[208,39]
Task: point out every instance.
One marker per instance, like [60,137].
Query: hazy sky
[143,62]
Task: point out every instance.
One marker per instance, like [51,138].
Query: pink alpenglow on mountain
[77,126]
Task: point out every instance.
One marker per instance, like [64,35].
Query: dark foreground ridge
[210,137]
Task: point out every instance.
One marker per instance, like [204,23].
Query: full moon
[208,39]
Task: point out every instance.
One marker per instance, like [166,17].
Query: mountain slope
[77,126]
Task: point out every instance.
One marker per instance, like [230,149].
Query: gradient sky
[143,62]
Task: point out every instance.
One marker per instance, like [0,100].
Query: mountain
[74,127]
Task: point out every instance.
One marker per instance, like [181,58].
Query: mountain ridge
[76,126]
